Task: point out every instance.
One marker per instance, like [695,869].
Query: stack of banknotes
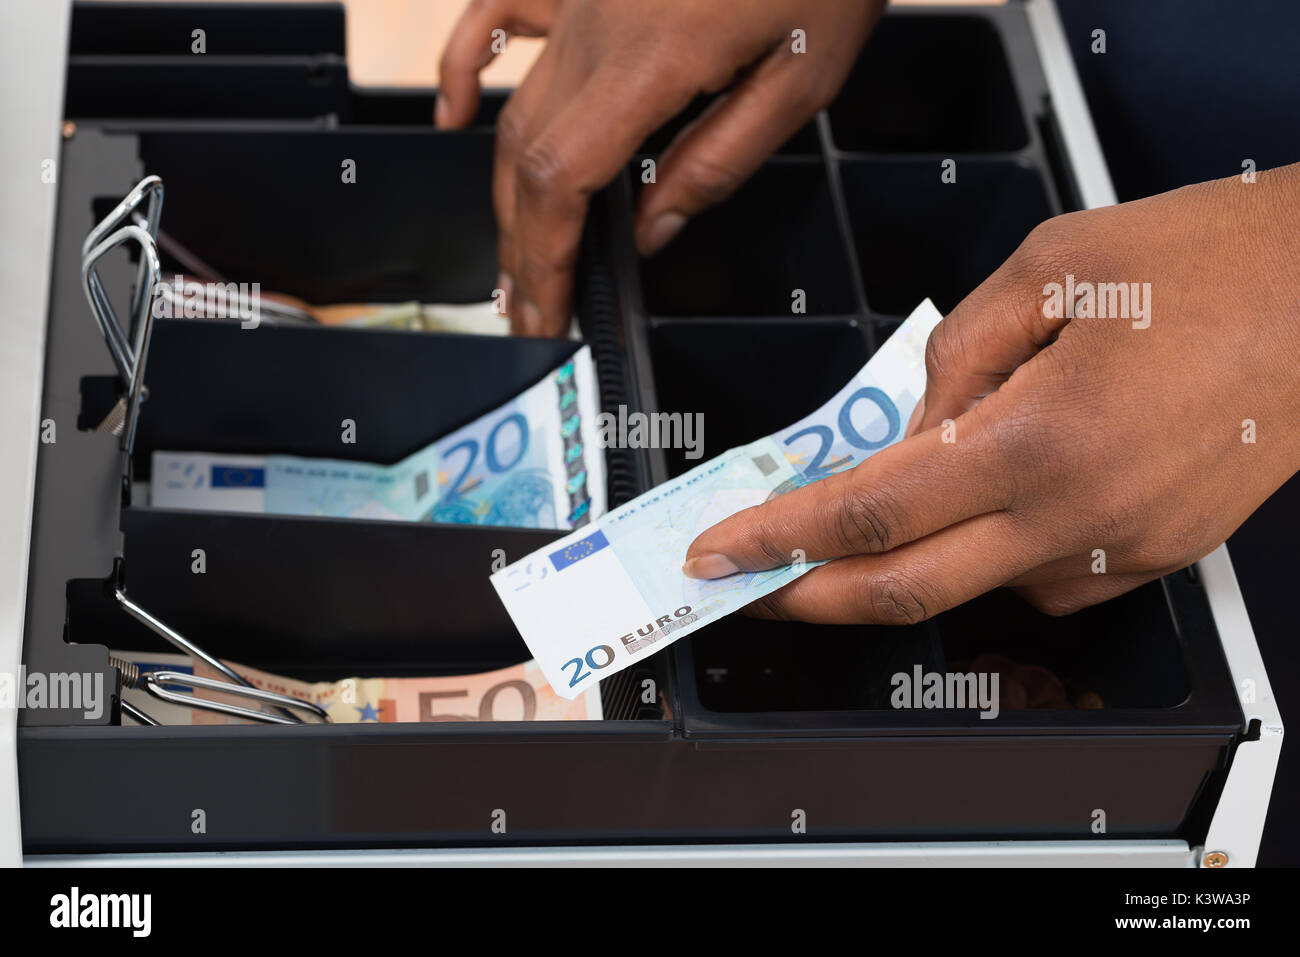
[535,462]
[475,318]
[188,298]
[613,593]
[517,693]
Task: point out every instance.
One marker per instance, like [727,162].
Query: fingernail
[530,319]
[711,565]
[441,112]
[659,232]
[917,415]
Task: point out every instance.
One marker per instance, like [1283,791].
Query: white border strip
[33,49]
[1073,117]
[1238,823]
[936,854]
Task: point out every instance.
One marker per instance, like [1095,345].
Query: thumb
[991,333]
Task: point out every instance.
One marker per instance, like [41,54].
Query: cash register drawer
[748,731]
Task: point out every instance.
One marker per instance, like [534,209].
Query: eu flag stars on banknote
[613,593]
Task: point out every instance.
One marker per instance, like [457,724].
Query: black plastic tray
[749,721]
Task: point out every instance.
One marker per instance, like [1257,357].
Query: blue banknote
[535,462]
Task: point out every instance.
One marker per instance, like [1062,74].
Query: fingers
[900,494]
[979,344]
[514,126]
[473,45]
[577,143]
[709,160]
[910,583]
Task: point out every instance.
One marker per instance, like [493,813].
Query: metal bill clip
[129,347]
[160,683]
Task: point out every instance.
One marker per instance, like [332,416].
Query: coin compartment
[938,84]
[1151,657]
[906,219]
[764,252]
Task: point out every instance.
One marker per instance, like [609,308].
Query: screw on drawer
[1216,859]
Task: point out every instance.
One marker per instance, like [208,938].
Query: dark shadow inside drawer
[917,236]
[928,84]
[753,254]
[746,665]
[1123,654]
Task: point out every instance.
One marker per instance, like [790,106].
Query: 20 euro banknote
[613,593]
[535,462]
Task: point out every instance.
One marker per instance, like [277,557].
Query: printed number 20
[590,662]
[847,429]
[494,463]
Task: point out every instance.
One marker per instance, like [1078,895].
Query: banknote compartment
[930,84]
[307,597]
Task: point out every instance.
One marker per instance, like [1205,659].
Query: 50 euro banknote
[606,596]
[534,462]
[517,693]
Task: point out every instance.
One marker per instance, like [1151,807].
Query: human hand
[611,74]
[1072,458]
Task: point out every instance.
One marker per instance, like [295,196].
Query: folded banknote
[613,593]
[517,693]
[535,462]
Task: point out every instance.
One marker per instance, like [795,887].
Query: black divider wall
[328,597]
[273,207]
[214,386]
[131,28]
